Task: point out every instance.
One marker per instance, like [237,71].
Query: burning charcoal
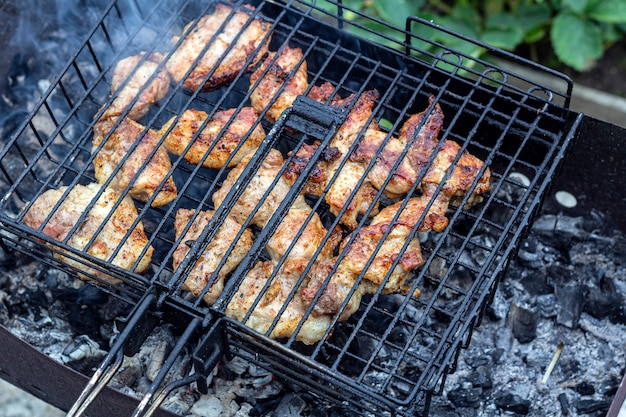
[523,323]
[585,388]
[604,299]
[536,284]
[82,347]
[291,405]
[156,359]
[547,306]
[568,367]
[477,361]
[265,407]
[499,306]
[481,377]
[128,373]
[438,268]
[238,365]
[466,397]
[571,300]
[560,231]
[179,402]
[592,406]
[482,252]
[528,251]
[83,307]
[564,403]
[244,410]
[508,401]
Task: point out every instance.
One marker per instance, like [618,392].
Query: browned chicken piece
[129,146]
[421,138]
[337,290]
[341,193]
[308,242]
[205,271]
[205,48]
[418,140]
[117,233]
[285,79]
[294,219]
[364,244]
[318,176]
[253,192]
[363,248]
[460,180]
[281,291]
[132,75]
[240,131]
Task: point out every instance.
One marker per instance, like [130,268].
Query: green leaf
[577,6]
[534,35]
[577,42]
[493,7]
[396,11]
[376,27]
[502,31]
[531,17]
[610,11]
[610,33]
[459,26]
[504,39]
[332,8]
[467,15]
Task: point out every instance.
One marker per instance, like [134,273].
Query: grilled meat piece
[132,75]
[131,145]
[417,136]
[283,288]
[222,44]
[110,211]
[253,192]
[362,249]
[464,171]
[283,293]
[286,78]
[343,191]
[420,136]
[367,238]
[205,271]
[220,145]
[308,242]
[295,218]
[340,287]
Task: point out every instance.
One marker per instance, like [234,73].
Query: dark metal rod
[182,342]
[110,364]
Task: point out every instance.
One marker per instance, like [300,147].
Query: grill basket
[394,353]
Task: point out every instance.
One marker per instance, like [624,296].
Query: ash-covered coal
[566,286]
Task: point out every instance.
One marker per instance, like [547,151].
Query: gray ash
[566,286]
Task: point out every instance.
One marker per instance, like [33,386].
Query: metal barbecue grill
[394,353]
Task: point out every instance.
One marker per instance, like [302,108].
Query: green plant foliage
[578,31]
[609,11]
[576,41]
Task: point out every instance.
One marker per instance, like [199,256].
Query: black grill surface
[394,352]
